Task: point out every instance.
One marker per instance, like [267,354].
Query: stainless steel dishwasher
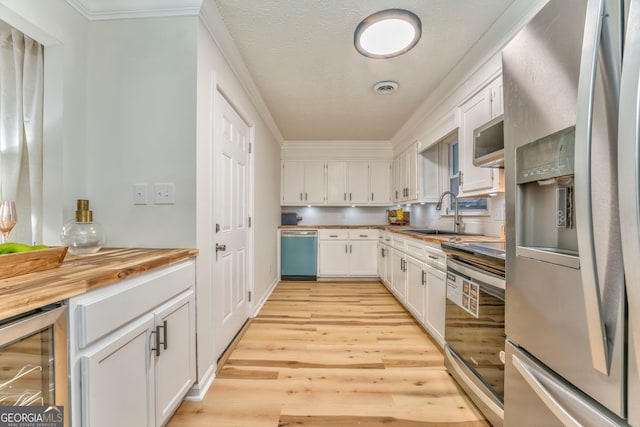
[298,254]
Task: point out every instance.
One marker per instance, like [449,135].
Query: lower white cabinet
[436,302]
[417,280]
[348,253]
[132,349]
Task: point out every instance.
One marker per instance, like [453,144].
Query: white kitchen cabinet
[133,348]
[474,113]
[303,182]
[496,88]
[337,183]
[416,281]
[358,183]
[430,174]
[348,253]
[398,282]
[436,302]
[334,258]
[119,374]
[405,175]
[380,182]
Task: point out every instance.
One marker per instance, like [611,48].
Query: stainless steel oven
[474,323]
[33,360]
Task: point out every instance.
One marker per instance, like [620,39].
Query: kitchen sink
[432,232]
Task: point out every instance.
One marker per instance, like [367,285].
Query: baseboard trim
[266,296]
[199,389]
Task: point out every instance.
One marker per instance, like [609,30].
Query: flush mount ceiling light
[387,33]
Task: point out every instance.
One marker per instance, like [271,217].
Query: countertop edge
[80,274]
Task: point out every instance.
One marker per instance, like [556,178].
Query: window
[465,204]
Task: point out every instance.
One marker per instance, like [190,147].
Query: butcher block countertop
[404,230]
[79,274]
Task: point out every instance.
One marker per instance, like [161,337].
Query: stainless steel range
[474,323]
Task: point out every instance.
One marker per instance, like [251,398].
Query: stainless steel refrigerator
[572,224]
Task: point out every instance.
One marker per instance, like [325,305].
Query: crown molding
[212,21]
[97,10]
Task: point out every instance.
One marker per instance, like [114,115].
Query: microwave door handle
[596,35]
[629,170]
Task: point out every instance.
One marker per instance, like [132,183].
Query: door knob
[221,248]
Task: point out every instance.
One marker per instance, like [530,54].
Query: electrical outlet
[164,193]
[140,194]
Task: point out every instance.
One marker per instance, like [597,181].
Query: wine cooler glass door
[33,358]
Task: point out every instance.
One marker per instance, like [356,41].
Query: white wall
[141,128]
[213,73]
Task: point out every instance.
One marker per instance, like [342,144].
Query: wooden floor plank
[332,354]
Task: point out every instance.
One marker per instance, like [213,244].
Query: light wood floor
[332,354]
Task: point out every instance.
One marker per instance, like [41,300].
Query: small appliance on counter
[290,218]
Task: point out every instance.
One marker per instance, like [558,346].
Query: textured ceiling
[318,87]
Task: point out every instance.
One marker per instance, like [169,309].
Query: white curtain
[21,100]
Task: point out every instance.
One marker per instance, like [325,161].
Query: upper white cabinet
[380,182]
[336,183]
[302,182]
[347,183]
[474,113]
[405,175]
[430,174]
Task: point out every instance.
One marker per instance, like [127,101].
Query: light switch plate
[164,193]
[140,194]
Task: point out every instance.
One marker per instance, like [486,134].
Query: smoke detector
[385,88]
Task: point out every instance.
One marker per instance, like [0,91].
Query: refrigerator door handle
[563,402]
[629,170]
[597,33]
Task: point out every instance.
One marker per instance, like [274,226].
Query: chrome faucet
[457,223]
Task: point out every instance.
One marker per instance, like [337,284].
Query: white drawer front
[333,234]
[416,249]
[363,234]
[104,310]
[437,259]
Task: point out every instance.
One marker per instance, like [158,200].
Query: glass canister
[83,236]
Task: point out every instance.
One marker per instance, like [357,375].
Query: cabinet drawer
[363,234]
[398,243]
[333,234]
[104,310]
[437,259]
[416,249]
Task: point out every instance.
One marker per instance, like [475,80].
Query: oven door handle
[475,273]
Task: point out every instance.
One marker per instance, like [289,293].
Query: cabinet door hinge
[249,296]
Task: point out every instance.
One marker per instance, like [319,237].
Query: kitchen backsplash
[421,216]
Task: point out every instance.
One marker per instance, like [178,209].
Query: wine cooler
[33,359]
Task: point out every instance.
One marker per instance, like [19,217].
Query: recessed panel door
[231,151]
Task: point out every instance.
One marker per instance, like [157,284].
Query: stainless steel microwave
[488,144]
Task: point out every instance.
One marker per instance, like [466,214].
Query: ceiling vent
[385,88]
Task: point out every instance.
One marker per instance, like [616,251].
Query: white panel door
[334,258]
[398,275]
[415,288]
[436,302]
[292,182]
[358,183]
[363,257]
[314,183]
[379,183]
[337,183]
[474,113]
[117,378]
[176,363]
[231,151]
